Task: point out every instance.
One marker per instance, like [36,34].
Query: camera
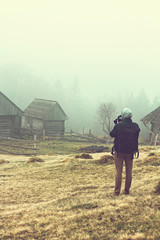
[118,119]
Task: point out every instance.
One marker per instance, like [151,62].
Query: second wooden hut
[44,117]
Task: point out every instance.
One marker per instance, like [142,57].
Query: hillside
[68,197]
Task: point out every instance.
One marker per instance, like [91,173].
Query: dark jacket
[126,135]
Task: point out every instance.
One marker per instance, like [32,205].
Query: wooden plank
[26,154]
[14,146]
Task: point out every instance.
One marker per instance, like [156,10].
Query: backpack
[126,140]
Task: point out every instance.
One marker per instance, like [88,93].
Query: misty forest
[68,70]
[22,86]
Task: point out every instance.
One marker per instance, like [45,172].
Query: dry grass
[73,200]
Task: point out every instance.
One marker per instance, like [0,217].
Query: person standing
[125,134]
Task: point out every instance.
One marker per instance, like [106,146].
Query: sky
[109,46]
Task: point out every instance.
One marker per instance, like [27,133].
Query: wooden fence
[19,146]
[73,136]
[30,146]
[76,137]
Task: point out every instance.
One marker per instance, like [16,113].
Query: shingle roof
[39,108]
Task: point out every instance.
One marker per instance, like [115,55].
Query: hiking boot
[126,192]
[115,194]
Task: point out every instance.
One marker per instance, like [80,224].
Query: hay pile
[84,156]
[157,188]
[106,159]
[152,159]
[4,161]
[35,159]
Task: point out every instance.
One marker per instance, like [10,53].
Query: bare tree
[105,114]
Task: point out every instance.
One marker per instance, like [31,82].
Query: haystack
[35,159]
[4,161]
[106,159]
[157,188]
[84,156]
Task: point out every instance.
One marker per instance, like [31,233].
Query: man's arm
[113,133]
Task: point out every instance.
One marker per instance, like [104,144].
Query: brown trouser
[119,159]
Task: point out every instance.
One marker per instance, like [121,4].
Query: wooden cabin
[10,118]
[152,122]
[44,117]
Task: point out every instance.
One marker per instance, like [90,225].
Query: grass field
[66,198]
[53,146]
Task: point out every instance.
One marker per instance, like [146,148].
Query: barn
[152,122]
[44,117]
[10,118]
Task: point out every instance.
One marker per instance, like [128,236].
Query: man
[126,135]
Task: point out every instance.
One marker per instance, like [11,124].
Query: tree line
[83,111]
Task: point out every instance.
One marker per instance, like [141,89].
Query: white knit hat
[126,113]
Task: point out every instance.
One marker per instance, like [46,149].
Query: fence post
[35,145]
[71,135]
[44,134]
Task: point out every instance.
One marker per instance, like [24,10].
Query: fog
[81,54]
